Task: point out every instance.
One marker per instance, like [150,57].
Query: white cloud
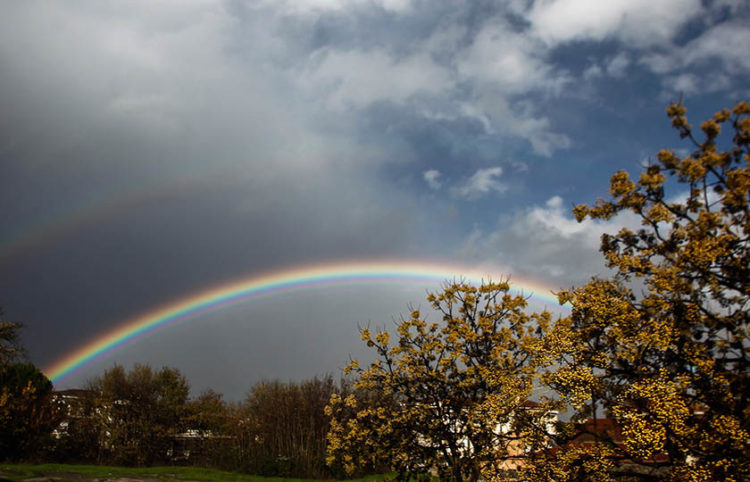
[723,48]
[512,62]
[448,79]
[684,83]
[499,114]
[482,182]
[637,22]
[591,72]
[659,62]
[615,66]
[475,112]
[502,65]
[618,65]
[496,115]
[432,177]
[317,6]
[538,132]
[357,78]
[727,42]
[546,242]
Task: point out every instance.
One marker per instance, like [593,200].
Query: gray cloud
[432,178]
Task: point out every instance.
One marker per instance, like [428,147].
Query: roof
[73,393]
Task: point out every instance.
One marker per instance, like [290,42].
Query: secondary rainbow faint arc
[272,283]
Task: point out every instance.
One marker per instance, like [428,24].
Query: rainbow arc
[242,290]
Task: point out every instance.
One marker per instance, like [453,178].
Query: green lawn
[63,472]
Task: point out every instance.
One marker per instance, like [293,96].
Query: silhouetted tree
[212,424]
[9,347]
[284,427]
[27,415]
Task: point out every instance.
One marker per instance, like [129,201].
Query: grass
[64,472]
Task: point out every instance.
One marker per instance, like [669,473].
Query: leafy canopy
[450,393]
[663,345]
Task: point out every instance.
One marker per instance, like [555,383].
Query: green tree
[215,424]
[669,360]
[209,413]
[453,394]
[139,412]
[77,437]
[9,347]
[285,426]
[27,415]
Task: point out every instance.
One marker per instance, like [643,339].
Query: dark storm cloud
[103,108]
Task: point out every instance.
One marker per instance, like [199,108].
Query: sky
[153,150]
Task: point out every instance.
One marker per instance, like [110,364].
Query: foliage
[9,348]
[208,413]
[452,394]
[216,425]
[138,412]
[76,438]
[142,417]
[669,363]
[284,427]
[27,416]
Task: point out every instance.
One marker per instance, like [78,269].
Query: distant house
[593,433]
[79,406]
[192,444]
[74,404]
[516,451]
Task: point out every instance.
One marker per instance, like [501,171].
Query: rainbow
[339,273]
[101,206]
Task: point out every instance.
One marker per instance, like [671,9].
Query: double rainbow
[253,287]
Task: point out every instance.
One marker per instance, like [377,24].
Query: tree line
[144,417]
[652,365]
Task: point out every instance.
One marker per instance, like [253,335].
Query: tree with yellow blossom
[446,398]
[663,346]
